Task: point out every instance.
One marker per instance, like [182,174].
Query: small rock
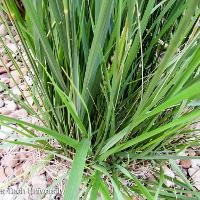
[191,153]
[35,120]
[39,182]
[23,87]
[3,136]
[16,75]
[135,198]
[185,171]
[9,65]
[13,187]
[9,171]
[2,175]
[8,39]
[195,163]
[28,80]
[12,83]
[49,181]
[12,47]
[192,171]
[16,91]
[47,197]
[6,130]
[30,100]
[26,59]
[26,165]
[18,170]
[1,195]
[182,153]
[4,75]
[197,153]
[22,155]
[22,113]
[5,80]
[35,108]
[28,120]
[186,164]
[24,71]
[13,115]
[26,93]
[170,173]
[17,38]
[3,31]
[11,105]
[3,70]
[1,103]
[1,52]
[1,63]
[5,59]
[195,175]
[9,160]
[2,151]
[13,31]
[23,194]
[4,111]
[9,196]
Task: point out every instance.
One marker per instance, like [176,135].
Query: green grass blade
[76,173]
[140,186]
[62,138]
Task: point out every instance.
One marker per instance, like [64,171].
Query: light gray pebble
[3,31]
[1,103]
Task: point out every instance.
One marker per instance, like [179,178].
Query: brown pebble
[4,75]
[198,153]
[2,175]
[11,66]
[12,83]
[22,156]
[35,108]
[26,165]
[186,164]
[191,153]
[134,198]
[11,105]
[9,171]
[23,87]
[16,75]
[49,181]
[3,70]
[5,59]
[4,111]
[24,71]
[21,113]
[18,170]
[9,160]
[4,78]
[13,115]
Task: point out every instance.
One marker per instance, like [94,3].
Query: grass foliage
[116,80]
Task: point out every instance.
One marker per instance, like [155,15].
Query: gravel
[1,103]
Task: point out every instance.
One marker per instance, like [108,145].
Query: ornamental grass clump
[114,82]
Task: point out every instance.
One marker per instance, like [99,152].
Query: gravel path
[22,175]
